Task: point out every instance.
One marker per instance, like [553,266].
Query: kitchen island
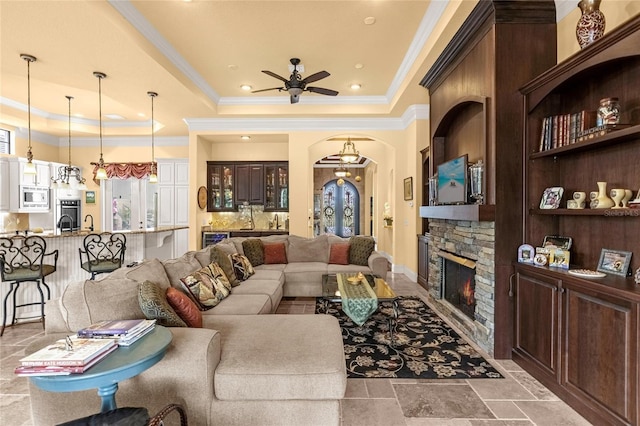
[162,242]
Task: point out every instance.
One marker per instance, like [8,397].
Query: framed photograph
[408,189]
[551,197]
[526,253]
[90,197]
[452,181]
[561,242]
[614,262]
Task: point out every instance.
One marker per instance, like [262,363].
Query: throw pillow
[308,249]
[275,253]
[184,307]
[220,257]
[207,286]
[339,254]
[154,305]
[241,266]
[254,251]
[360,249]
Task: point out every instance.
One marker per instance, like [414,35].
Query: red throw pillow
[184,307]
[275,253]
[339,254]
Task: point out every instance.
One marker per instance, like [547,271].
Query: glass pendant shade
[64,180]
[349,153]
[29,168]
[340,172]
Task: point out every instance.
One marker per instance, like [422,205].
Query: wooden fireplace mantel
[471,212]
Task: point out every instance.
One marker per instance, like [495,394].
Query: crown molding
[305,100]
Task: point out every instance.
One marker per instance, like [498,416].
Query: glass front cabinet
[276,186]
[220,186]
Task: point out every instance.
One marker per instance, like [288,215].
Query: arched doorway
[340,209]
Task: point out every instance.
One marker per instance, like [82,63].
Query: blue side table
[124,363]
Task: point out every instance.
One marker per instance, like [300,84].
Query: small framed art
[614,262]
[551,197]
[90,197]
[526,253]
[408,189]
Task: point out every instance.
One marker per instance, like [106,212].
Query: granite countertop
[209,229]
[84,232]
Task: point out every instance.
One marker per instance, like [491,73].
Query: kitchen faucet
[70,222]
[277,221]
[85,221]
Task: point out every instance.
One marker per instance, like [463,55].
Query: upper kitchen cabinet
[249,183]
[16,173]
[220,180]
[276,195]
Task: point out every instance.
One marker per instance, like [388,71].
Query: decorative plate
[586,273]
[202,197]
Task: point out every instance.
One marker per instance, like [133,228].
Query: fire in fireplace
[458,283]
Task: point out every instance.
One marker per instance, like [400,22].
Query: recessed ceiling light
[369,20]
[246,87]
[245,137]
[359,66]
[141,114]
[78,115]
[114,117]
[355,86]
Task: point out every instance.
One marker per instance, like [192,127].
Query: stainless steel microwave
[34,198]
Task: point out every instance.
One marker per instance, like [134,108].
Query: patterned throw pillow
[339,254]
[207,286]
[360,249]
[241,266]
[184,307]
[275,253]
[154,305]
[254,250]
[220,257]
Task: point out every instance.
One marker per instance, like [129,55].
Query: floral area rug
[424,346]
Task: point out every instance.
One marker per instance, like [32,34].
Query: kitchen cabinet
[220,180]
[4,185]
[42,177]
[423,261]
[173,192]
[276,187]
[249,184]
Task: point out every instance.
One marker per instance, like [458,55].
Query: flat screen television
[452,181]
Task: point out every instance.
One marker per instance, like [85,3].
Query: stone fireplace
[465,250]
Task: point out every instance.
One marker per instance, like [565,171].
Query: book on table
[111,328]
[77,352]
[60,370]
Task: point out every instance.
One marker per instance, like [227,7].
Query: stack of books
[124,332]
[71,356]
[565,129]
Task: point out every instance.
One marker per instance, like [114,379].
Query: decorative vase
[602,201]
[617,195]
[591,24]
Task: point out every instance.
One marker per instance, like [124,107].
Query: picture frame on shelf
[452,181]
[559,241]
[551,197]
[614,262]
[526,253]
[408,189]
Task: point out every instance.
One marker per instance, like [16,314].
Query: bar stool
[22,260]
[102,252]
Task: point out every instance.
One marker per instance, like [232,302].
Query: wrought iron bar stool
[102,253]
[130,416]
[22,260]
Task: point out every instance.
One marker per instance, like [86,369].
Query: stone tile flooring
[518,400]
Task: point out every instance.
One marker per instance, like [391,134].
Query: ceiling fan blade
[315,77]
[264,90]
[295,99]
[274,75]
[322,91]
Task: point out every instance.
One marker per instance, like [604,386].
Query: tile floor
[518,400]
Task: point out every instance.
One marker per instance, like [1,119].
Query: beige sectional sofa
[241,368]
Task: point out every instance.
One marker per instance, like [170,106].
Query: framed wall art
[408,189]
[614,262]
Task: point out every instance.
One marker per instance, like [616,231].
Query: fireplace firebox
[458,283]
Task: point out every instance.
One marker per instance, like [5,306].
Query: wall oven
[69,215]
[34,198]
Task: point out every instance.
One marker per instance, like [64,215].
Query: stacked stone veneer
[476,241]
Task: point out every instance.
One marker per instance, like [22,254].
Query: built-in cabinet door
[249,184]
[181,202]
[166,208]
[423,261]
[600,350]
[166,175]
[536,320]
[276,187]
[4,185]
[221,187]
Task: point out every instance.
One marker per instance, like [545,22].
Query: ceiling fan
[296,84]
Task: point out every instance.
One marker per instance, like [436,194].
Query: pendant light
[29,168]
[66,172]
[349,153]
[101,173]
[153,173]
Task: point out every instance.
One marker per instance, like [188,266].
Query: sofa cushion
[154,305]
[239,304]
[222,258]
[228,246]
[151,270]
[242,268]
[203,256]
[112,299]
[308,249]
[207,286]
[360,249]
[300,357]
[181,267]
[339,254]
[272,288]
[254,250]
[274,253]
[184,307]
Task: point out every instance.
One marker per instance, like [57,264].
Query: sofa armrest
[378,264]
[54,319]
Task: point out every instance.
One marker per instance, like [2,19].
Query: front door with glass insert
[340,209]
